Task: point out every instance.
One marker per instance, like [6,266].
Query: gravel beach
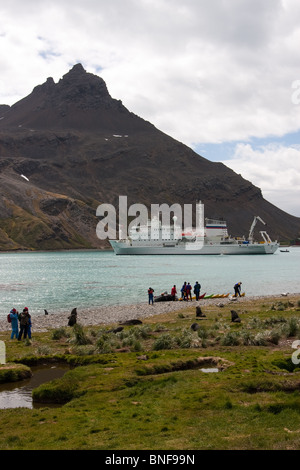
[119,313]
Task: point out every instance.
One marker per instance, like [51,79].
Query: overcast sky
[221,76]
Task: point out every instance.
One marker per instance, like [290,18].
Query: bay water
[60,281]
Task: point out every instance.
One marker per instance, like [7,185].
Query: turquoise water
[60,281]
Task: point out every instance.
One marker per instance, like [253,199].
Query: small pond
[19,394]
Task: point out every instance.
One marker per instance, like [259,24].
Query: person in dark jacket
[197,288]
[183,291]
[24,319]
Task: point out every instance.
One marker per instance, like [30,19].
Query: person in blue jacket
[14,323]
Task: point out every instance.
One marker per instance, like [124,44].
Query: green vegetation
[144,387]
[24,230]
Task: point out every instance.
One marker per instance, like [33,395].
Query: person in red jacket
[173,292]
[150,295]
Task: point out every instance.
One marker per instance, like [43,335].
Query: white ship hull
[124,248]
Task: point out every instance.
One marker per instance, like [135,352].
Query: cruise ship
[154,238]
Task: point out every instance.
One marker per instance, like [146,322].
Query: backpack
[9,318]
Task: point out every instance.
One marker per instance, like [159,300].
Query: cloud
[274,168]
[215,76]
[200,71]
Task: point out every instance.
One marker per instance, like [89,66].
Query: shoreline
[108,315]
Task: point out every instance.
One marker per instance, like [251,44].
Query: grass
[143,387]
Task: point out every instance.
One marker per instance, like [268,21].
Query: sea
[60,281]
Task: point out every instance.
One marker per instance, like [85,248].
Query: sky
[221,76]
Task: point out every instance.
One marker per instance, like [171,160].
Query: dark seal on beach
[131,322]
[199,312]
[234,316]
[116,330]
[73,317]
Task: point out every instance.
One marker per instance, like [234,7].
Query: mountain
[69,146]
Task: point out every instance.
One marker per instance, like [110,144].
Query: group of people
[186,291]
[24,320]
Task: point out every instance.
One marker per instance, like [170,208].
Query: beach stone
[123,350]
[144,357]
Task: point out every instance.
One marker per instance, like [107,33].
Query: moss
[13,372]
[58,391]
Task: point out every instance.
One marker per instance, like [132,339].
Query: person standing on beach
[14,318]
[183,291]
[197,288]
[29,328]
[237,289]
[150,295]
[188,291]
[173,292]
[24,318]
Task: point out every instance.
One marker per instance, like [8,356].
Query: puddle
[19,394]
[210,369]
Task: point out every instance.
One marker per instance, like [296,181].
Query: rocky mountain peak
[77,85]
[83,83]
[77,69]
[80,100]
